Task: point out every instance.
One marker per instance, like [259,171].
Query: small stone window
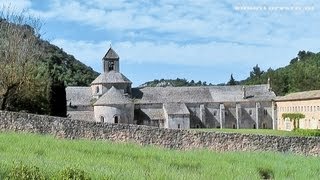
[250,112]
[116,119]
[226,113]
[102,119]
[214,113]
[97,89]
[179,126]
[265,112]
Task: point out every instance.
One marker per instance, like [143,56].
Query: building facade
[112,99]
[306,103]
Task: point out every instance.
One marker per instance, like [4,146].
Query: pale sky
[203,40]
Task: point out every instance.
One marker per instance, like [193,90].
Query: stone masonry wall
[145,135]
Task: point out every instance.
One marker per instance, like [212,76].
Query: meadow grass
[109,160]
[258,131]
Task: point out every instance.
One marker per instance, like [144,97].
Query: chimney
[268,85]
[244,93]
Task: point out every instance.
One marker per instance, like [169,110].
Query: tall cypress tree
[57,99]
[232,81]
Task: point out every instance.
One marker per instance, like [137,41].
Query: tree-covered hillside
[65,67]
[174,83]
[34,72]
[302,74]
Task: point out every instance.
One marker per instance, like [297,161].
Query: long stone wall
[144,135]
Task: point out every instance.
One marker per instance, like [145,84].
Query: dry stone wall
[145,135]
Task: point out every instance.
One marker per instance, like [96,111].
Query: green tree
[232,81]
[256,72]
[57,98]
[295,117]
[20,50]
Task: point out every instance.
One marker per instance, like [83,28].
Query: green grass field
[107,160]
[300,132]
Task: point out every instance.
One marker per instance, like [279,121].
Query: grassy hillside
[298,132]
[44,156]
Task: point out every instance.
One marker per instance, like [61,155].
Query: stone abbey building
[112,99]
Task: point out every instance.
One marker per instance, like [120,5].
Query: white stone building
[112,99]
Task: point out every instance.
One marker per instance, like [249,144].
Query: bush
[23,172]
[73,174]
[308,132]
[265,173]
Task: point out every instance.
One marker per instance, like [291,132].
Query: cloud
[211,54]
[187,20]
[195,33]
[17,5]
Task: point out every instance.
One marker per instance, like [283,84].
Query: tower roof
[111,77]
[112,96]
[111,54]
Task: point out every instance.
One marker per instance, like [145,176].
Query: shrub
[265,173]
[74,174]
[23,172]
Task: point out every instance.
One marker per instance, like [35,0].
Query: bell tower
[110,61]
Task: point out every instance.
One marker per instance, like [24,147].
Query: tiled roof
[112,96]
[111,77]
[153,114]
[202,94]
[111,54]
[235,93]
[78,95]
[176,108]
[315,94]
[171,94]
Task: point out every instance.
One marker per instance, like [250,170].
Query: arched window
[116,119]
[111,65]
[97,90]
[264,126]
[101,119]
